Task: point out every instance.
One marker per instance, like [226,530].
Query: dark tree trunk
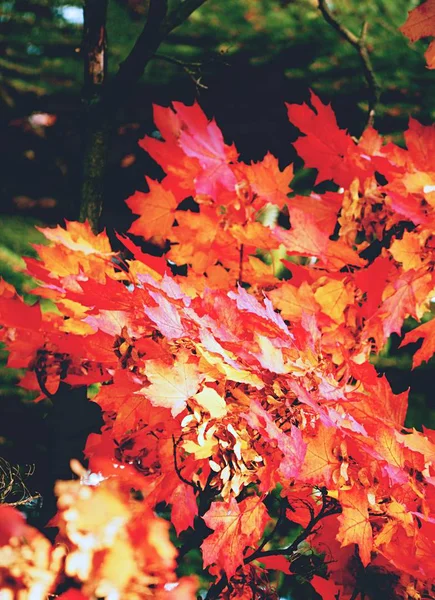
[96,117]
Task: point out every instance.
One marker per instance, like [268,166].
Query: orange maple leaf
[427,332]
[419,24]
[320,460]
[156,210]
[236,526]
[268,182]
[354,521]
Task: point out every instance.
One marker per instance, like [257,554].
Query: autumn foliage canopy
[238,390]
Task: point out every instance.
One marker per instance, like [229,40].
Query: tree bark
[96,118]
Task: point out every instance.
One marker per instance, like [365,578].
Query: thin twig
[177,469]
[191,68]
[360,45]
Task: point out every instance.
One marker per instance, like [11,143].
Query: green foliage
[42,47]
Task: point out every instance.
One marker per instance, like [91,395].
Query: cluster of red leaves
[225,384]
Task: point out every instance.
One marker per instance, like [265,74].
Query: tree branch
[215,590]
[329,507]
[158,25]
[179,15]
[131,69]
[360,45]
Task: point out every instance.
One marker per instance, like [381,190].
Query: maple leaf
[184,508]
[15,313]
[292,301]
[268,182]
[427,349]
[407,251]
[165,316]
[326,588]
[334,297]
[421,23]
[372,281]
[156,209]
[78,237]
[172,385]
[235,527]
[411,290]
[420,140]
[323,209]
[209,399]
[320,461]
[354,521]
[305,238]
[203,140]
[324,146]
[72,594]
[255,235]
[184,589]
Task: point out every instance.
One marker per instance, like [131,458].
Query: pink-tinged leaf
[203,140]
[291,445]
[165,316]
